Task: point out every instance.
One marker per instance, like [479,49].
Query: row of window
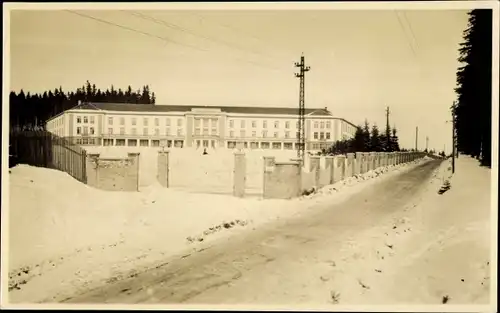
[321,135]
[145,121]
[85,119]
[143,143]
[262,145]
[323,124]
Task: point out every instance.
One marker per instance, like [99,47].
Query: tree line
[472,110]
[31,111]
[367,139]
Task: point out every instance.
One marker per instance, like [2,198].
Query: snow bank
[65,236]
[436,250]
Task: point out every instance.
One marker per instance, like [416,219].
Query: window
[110,121]
[157,132]
[287,134]
[315,135]
[276,124]
[122,131]
[108,142]
[155,143]
[316,125]
[78,130]
[242,124]
[134,121]
[85,130]
[85,120]
[327,135]
[145,121]
[287,124]
[213,123]
[167,122]
[298,125]
[328,124]
[132,142]
[78,119]
[214,131]
[231,123]
[179,131]
[197,122]
[197,131]
[254,133]
[321,135]
[205,131]
[134,131]
[157,121]
[275,134]
[120,142]
[145,131]
[167,131]
[231,134]
[110,131]
[254,124]
[91,130]
[322,125]
[122,121]
[92,120]
[242,134]
[179,122]
[264,124]
[144,143]
[264,133]
[297,135]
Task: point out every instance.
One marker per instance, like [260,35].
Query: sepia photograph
[272,155]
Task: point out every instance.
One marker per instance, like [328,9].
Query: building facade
[110,124]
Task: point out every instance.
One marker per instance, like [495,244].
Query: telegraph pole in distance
[427,143]
[388,135]
[453,143]
[301,75]
[416,139]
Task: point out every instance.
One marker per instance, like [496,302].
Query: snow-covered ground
[65,236]
[437,250]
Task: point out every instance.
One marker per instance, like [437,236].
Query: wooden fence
[43,149]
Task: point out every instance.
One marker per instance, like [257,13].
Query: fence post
[239,174]
[136,157]
[163,168]
[329,165]
[314,167]
[359,163]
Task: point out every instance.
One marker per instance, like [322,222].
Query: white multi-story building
[112,124]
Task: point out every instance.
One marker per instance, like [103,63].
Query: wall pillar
[314,168]
[351,165]
[163,168]
[358,168]
[268,170]
[330,166]
[92,169]
[136,157]
[239,174]
[341,166]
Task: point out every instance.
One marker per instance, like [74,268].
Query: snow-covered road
[286,262]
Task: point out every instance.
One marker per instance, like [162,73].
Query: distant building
[116,124]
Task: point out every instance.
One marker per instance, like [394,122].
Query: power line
[405,33]
[135,30]
[165,39]
[234,29]
[410,28]
[193,33]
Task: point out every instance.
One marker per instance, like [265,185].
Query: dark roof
[132,107]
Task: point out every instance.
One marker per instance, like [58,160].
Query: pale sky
[361,61]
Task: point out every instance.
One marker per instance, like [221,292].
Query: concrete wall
[120,174]
[283,180]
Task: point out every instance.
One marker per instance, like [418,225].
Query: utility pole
[301,75]
[453,144]
[416,139]
[388,133]
[427,143]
